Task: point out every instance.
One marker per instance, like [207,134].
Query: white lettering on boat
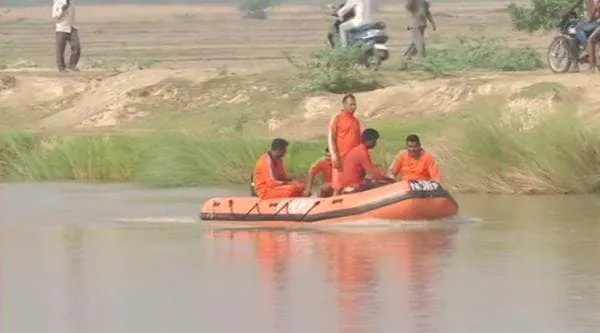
[423,186]
[297,206]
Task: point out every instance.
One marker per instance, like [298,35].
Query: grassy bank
[492,153]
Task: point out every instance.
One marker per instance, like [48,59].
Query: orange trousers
[289,190]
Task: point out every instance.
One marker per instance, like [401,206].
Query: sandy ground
[200,42]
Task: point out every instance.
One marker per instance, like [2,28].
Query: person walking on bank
[420,14]
[63,11]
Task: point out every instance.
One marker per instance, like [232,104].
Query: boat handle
[335,201]
[280,209]
[251,209]
[311,208]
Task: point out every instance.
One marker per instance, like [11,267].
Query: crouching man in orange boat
[358,163]
[271,178]
[324,167]
[415,163]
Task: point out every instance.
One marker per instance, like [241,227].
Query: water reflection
[375,277]
[72,240]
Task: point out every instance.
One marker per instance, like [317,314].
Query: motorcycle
[564,47]
[371,35]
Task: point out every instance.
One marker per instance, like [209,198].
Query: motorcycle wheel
[372,60]
[560,48]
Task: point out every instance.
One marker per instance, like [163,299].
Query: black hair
[346,97]
[279,143]
[413,138]
[369,134]
[326,150]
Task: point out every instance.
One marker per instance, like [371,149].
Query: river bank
[483,153]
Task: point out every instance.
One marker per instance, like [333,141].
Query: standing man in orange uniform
[358,164]
[271,177]
[322,166]
[415,163]
[343,135]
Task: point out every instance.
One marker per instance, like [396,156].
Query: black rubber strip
[243,217]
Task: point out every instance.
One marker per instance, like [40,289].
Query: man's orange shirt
[347,129]
[268,173]
[322,166]
[356,165]
[423,168]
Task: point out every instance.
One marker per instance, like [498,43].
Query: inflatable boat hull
[400,201]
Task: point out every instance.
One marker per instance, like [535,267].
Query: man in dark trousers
[63,12]
[420,14]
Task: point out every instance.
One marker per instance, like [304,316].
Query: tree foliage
[540,15]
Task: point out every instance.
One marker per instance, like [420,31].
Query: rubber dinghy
[399,201]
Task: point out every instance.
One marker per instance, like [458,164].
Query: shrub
[335,70]
[465,54]
[542,15]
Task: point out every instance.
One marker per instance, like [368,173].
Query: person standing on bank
[63,11]
[420,14]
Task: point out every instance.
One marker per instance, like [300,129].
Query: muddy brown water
[114,258]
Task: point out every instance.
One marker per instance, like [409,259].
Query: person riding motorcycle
[585,29]
[352,14]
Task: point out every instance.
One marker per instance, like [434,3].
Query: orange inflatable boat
[399,201]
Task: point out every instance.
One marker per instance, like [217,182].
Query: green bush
[482,54]
[335,70]
[541,15]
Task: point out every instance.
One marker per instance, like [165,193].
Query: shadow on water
[359,268]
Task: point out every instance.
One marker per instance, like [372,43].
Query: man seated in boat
[271,178]
[322,167]
[414,163]
[358,163]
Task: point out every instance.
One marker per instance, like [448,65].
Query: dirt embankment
[103,100]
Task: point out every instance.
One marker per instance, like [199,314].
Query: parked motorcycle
[372,35]
[564,47]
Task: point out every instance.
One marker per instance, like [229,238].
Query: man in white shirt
[363,14]
[63,12]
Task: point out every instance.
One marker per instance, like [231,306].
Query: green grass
[478,54]
[159,159]
[492,154]
[557,154]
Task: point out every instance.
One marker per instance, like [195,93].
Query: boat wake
[155,220]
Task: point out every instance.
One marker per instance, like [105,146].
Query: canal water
[119,259]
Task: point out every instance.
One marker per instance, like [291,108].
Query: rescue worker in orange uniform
[271,178]
[323,167]
[415,163]
[343,135]
[358,163]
